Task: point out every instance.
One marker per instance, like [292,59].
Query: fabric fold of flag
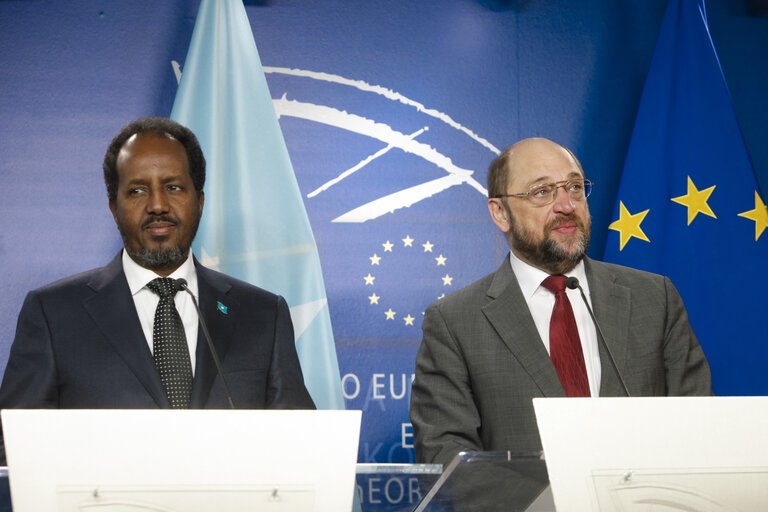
[255,226]
[689,206]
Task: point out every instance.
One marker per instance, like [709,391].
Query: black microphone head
[572,283]
[180,284]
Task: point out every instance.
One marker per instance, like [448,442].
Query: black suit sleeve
[30,376]
[285,386]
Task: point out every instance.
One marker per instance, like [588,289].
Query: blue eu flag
[689,206]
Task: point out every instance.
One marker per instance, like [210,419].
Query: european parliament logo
[395,197]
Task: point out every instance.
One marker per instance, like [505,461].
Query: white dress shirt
[146,300]
[541,302]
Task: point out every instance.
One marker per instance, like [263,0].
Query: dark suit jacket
[482,360]
[79,345]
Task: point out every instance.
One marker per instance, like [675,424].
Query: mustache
[562,219]
[155,219]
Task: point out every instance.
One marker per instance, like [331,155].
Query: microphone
[181,284]
[573,283]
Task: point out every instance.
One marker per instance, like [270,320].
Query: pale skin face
[554,237]
[157,208]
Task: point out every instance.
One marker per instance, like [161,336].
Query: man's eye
[134,191]
[541,191]
[174,187]
[576,187]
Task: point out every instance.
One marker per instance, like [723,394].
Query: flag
[255,226]
[689,206]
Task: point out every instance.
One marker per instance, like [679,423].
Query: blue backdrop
[391,113]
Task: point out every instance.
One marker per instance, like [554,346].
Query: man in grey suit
[491,347]
[101,339]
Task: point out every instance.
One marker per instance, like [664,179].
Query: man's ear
[201,201]
[499,214]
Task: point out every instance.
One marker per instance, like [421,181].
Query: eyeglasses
[542,195]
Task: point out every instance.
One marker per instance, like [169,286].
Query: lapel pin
[221,307]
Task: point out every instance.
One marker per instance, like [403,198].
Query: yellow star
[374,299]
[369,279]
[407,241]
[629,225]
[387,246]
[409,319]
[441,260]
[375,259]
[759,215]
[696,201]
[441,296]
[447,280]
[390,314]
[427,246]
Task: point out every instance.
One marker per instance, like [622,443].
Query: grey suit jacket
[79,345]
[482,360]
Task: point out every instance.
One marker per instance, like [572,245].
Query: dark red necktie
[564,341]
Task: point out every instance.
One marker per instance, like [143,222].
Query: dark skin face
[157,208]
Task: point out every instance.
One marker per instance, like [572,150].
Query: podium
[705,454]
[649,454]
[181,460]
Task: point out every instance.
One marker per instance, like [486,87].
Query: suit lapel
[113,310]
[509,315]
[220,313]
[610,302]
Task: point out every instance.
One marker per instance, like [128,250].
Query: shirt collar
[138,276]
[529,277]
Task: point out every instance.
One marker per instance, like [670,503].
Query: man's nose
[563,203]
[158,202]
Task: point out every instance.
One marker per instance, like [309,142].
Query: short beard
[548,255]
[158,260]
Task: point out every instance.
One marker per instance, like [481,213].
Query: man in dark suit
[94,341]
[516,334]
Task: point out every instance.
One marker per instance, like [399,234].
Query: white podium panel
[185,461]
[708,454]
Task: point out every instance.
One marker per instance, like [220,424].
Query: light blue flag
[689,206]
[255,226]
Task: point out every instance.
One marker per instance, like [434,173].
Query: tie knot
[554,284]
[163,286]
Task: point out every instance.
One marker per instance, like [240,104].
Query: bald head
[534,156]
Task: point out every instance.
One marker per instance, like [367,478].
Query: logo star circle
[377,260]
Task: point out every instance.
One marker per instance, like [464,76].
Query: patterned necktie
[564,341]
[169,344]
